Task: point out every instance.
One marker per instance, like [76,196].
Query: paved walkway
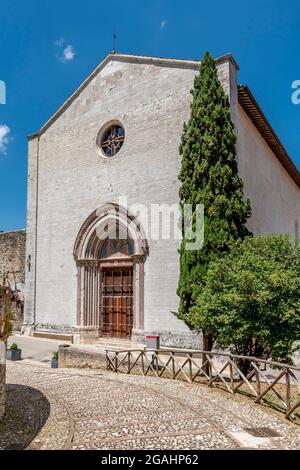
[37,349]
[84,409]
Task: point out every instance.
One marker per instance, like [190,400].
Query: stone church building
[117,136]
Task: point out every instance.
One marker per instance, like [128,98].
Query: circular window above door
[111,139]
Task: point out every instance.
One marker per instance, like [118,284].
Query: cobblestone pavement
[85,409]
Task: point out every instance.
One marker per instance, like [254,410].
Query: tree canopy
[209,176]
[250,302]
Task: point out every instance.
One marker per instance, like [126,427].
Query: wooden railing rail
[230,371]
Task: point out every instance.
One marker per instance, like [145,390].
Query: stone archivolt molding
[98,227]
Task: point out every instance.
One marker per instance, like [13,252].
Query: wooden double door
[116,316]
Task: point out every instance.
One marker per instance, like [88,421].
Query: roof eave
[256,115]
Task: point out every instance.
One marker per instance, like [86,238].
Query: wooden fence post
[288,390]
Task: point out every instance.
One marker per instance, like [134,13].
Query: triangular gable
[164,62]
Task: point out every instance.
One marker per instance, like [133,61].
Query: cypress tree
[209,176]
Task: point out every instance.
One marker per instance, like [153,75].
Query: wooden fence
[275,383]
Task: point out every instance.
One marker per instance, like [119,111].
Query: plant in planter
[54,360]
[13,353]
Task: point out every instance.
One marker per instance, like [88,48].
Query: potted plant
[54,360]
[13,353]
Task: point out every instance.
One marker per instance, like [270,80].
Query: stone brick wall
[12,267]
[12,256]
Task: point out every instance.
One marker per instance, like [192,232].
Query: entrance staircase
[118,344]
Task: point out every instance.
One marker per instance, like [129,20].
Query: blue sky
[47,48]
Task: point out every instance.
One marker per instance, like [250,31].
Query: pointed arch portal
[110,251]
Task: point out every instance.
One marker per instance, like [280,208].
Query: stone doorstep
[101,348]
[109,341]
[104,343]
[57,336]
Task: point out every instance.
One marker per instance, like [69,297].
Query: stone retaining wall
[2,378]
[71,357]
[183,340]
[4,308]
[12,269]
[12,256]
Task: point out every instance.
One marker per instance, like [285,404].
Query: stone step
[117,343]
[50,335]
[118,346]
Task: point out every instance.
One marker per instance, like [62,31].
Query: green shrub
[250,302]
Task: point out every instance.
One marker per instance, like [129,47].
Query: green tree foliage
[250,302]
[209,176]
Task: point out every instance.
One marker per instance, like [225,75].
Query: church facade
[111,146]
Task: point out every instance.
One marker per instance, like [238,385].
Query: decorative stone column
[4,332]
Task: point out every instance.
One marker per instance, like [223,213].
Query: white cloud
[68,54]
[4,131]
[163,24]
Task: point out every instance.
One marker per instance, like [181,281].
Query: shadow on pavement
[27,411]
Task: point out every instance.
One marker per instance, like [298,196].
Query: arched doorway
[110,253]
